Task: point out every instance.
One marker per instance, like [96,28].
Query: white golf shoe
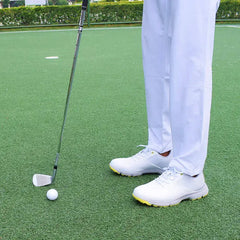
[146,161]
[171,188]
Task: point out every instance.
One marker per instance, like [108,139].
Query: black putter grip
[84,4]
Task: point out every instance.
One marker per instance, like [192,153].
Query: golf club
[40,180]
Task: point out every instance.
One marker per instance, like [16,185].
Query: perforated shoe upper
[171,188]
[146,161]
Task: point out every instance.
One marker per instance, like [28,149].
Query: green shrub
[229,9]
[116,12]
[57,2]
[62,2]
[17,4]
[5,3]
[99,12]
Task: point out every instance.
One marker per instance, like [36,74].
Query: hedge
[99,13]
[229,9]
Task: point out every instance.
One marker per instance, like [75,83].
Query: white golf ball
[52,194]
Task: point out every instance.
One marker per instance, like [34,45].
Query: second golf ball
[52,194]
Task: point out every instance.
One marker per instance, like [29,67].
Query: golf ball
[52,194]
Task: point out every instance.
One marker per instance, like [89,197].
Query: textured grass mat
[106,119]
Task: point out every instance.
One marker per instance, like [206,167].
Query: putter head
[40,180]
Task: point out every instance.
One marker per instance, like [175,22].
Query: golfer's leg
[156,50]
[191,81]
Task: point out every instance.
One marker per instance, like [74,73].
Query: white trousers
[177,43]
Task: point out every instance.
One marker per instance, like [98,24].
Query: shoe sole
[190,197]
[125,175]
[114,170]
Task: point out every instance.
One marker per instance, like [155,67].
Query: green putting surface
[106,119]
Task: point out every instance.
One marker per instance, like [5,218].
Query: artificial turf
[106,119]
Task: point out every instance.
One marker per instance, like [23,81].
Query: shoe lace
[143,153]
[168,175]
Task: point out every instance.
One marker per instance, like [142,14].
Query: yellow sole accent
[114,170]
[142,201]
[153,205]
[199,197]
